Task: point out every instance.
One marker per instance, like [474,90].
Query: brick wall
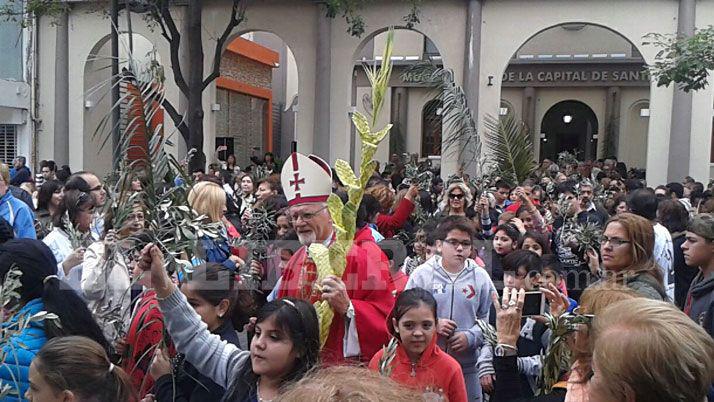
[245,70]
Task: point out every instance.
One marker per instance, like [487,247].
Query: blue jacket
[18,215]
[20,349]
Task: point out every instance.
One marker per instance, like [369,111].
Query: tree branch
[173,36]
[237,16]
[177,118]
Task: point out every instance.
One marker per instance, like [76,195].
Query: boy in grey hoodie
[699,252]
[462,290]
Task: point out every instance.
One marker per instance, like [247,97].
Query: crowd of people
[432,303]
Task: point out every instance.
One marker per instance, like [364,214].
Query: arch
[504,66]
[432,125]
[406,101]
[570,126]
[260,79]
[97,100]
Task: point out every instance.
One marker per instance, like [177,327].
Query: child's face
[430,251]
[532,245]
[549,277]
[521,279]
[416,329]
[272,352]
[502,243]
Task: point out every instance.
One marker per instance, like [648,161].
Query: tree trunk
[195,85]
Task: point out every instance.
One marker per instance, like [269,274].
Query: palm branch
[457,117]
[510,147]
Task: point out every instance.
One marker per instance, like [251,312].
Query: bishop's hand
[334,292]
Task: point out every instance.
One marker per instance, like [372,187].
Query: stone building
[545,61]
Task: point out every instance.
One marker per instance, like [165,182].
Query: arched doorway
[408,104]
[257,98]
[569,126]
[138,55]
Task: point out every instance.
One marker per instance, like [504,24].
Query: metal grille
[8,142]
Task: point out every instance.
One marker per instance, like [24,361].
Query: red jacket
[435,370]
[388,224]
[369,287]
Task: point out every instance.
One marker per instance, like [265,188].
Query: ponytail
[80,365]
[72,312]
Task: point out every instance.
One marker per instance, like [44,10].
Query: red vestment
[369,288]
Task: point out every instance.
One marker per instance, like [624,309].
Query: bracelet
[507,346]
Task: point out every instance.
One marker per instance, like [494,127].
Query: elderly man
[364,296]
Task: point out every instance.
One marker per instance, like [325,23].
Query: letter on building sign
[596,76]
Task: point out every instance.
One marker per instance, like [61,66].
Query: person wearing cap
[363,297]
[699,252]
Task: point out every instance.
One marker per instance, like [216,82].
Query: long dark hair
[298,320]
[44,196]
[406,301]
[80,365]
[214,283]
[73,202]
[38,266]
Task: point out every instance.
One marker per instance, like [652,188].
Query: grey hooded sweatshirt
[462,300]
[700,302]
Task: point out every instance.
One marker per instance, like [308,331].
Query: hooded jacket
[18,215]
[462,300]
[435,370]
[20,349]
[700,302]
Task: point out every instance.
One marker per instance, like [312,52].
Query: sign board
[576,75]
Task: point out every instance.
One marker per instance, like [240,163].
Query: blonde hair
[652,351]
[5,173]
[640,234]
[384,195]
[208,199]
[348,384]
[444,202]
[594,300]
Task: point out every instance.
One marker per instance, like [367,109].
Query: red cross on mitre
[297,181]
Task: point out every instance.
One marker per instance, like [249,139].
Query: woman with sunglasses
[71,234]
[626,248]
[457,201]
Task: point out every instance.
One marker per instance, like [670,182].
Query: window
[431,129]
[8,142]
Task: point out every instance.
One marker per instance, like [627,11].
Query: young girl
[534,242]
[211,291]
[419,363]
[73,369]
[504,241]
[285,345]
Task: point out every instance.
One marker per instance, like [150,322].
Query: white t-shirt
[663,253]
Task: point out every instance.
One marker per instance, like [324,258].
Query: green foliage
[388,355]
[457,118]
[25,10]
[511,148]
[350,11]
[685,61]
[557,359]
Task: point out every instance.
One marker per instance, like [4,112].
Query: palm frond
[510,147]
[460,126]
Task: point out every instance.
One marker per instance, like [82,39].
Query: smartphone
[534,304]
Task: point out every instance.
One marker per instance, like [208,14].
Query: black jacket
[192,386]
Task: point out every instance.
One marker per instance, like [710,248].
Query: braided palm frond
[344,216]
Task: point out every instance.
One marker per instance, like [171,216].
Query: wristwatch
[503,350]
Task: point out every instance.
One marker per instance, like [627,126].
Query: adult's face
[621,208]
[311,221]
[246,185]
[586,195]
[615,248]
[56,199]
[456,199]
[17,163]
[3,186]
[47,174]
[264,191]
[96,189]
[698,251]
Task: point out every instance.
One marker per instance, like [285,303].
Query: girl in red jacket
[418,362]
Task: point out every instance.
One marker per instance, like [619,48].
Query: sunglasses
[456,196]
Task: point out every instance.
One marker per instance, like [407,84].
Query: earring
[220,315]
